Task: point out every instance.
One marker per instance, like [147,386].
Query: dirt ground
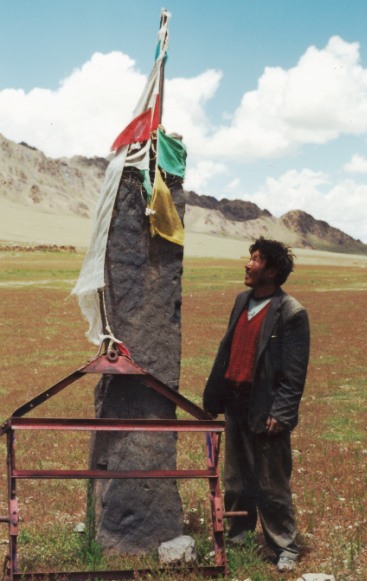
[43,340]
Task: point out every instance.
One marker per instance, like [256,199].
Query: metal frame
[115,361]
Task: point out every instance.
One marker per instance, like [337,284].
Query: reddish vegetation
[43,340]
[329,478]
[37,248]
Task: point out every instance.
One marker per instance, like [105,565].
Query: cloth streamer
[133,148]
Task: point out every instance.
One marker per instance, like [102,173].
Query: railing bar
[207,571]
[108,474]
[116,425]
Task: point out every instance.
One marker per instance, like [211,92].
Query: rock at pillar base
[143,299]
[178,550]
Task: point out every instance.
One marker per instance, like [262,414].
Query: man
[257,379]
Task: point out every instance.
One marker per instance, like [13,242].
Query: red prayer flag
[156,114]
[138,130]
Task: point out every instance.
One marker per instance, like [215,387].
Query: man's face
[257,274]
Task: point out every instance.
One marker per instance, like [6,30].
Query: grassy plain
[43,340]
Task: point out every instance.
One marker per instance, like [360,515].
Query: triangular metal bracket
[110,364]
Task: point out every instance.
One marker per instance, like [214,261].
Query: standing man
[257,380]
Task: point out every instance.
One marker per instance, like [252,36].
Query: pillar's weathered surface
[143,297]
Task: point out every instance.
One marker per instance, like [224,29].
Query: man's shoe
[239,540]
[286,564]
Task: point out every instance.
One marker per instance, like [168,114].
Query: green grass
[39,268]
[343,430]
[210,274]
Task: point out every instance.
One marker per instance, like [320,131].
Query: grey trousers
[257,472]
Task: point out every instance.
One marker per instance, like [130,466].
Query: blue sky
[270,96]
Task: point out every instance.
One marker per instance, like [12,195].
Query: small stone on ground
[179,549]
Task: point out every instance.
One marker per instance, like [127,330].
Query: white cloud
[358,164]
[92,106]
[198,177]
[342,205]
[184,110]
[234,184]
[83,116]
[346,205]
[320,98]
[292,190]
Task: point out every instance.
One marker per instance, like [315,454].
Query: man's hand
[273,426]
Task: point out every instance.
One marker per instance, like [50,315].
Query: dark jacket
[280,365]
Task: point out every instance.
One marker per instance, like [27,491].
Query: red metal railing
[124,365]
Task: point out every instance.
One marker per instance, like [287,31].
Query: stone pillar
[143,297]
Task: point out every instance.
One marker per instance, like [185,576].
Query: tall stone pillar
[143,298]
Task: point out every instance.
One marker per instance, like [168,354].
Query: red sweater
[243,348]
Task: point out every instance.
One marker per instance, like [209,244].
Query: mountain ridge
[70,187]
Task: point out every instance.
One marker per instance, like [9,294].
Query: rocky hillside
[70,187]
[236,210]
[240,219]
[318,234]
[67,186]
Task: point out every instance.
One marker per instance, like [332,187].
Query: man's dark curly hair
[276,255]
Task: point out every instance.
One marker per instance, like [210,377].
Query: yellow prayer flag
[165,220]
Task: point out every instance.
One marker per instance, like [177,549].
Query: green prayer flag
[146,183]
[171,154]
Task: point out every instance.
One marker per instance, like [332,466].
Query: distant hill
[241,219]
[70,187]
[67,186]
